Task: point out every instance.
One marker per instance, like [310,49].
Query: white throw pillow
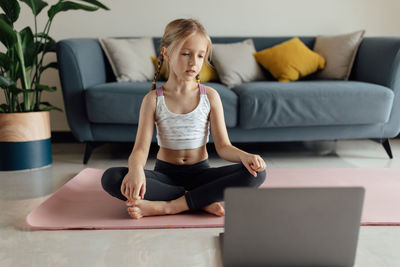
[339,52]
[235,63]
[130,59]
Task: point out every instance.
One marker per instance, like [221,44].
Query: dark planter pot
[25,140]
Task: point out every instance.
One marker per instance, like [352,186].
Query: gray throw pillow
[235,63]
[339,52]
[130,59]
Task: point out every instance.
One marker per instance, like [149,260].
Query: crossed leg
[163,194]
[207,188]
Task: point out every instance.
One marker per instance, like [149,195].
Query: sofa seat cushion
[230,103]
[119,103]
[115,102]
[312,103]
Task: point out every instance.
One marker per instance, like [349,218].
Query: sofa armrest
[81,65]
[378,61]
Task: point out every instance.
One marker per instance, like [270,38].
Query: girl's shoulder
[150,100]
[212,95]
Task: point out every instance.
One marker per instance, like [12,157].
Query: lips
[191,72]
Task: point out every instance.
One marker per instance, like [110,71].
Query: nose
[193,60]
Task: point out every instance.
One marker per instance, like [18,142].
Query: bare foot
[141,208]
[215,208]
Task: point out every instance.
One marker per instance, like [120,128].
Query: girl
[183,111]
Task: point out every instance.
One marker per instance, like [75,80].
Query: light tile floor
[22,191]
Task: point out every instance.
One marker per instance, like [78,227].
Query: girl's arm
[222,143]
[144,135]
[219,133]
[134,183]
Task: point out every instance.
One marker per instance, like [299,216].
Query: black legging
[168,181]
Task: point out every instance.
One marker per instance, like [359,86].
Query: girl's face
[186,63]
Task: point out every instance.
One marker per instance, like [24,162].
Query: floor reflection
[16,185]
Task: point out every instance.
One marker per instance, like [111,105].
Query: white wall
[221,18]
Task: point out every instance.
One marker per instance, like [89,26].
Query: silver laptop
[291,226]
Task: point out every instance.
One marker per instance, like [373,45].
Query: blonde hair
[175,34]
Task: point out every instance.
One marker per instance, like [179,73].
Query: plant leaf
[5,61]
[49,107]
[96,3]
[35,5]
[68,5]
[6,82]
[41,87]
[7,35]
[14,90]
[2,110]
[28,47]
[6,19]
[44,36]
[21,58]
[53,65]
[50,43]
[11,8]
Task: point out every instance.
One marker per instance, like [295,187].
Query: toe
[135,215]
[134,209]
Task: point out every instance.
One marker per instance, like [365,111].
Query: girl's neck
[180,86]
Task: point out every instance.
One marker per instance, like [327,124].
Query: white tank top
[182,131]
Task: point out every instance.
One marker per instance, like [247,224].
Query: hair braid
[160,61]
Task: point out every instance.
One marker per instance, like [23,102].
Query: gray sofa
[367,106]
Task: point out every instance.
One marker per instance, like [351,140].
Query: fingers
[143,190]
[257,164]
[136,191]
[128,191]
[131,192]
[250,169]
[124,189]
[260,164]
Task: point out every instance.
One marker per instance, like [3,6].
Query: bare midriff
[183,157]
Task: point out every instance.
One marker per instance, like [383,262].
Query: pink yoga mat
[82,204]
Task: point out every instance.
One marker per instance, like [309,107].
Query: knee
[109,179]
[106,179]
[261,176]
[255,181]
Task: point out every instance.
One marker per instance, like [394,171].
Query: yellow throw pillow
[290,60]
[207,72]
[163,70]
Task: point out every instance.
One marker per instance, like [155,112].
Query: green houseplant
[26,49]
[21,68]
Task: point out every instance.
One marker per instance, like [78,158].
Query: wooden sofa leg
[90,146]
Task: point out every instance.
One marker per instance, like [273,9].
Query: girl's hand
[253,163]
[133,186]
